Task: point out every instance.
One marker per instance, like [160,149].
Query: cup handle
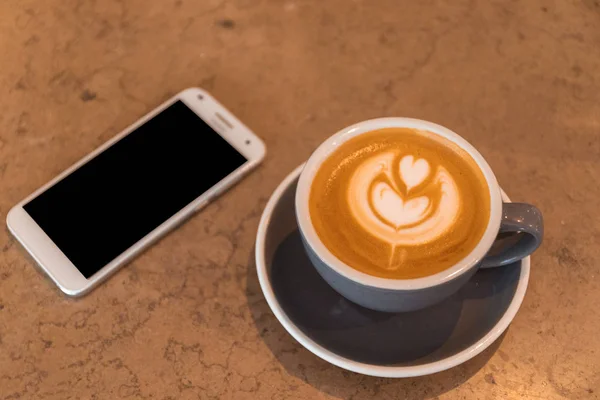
[523,227]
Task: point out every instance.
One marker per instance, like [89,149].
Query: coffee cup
[396,214]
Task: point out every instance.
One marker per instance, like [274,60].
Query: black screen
[118,197]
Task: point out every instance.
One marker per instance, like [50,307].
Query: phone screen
[115,199]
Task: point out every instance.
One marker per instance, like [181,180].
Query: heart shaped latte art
[389,205]
[385,208]
[413,172]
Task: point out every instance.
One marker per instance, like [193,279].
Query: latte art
[399,203]
[402,200]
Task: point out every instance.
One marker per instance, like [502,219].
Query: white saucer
[370,342]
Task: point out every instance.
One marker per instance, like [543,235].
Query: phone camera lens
[247,142]
[200,97]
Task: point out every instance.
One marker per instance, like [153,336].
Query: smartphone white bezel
[54,262]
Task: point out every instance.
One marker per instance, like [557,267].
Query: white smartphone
[98,214]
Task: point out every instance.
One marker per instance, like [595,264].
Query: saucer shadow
[375,337]
[366,336]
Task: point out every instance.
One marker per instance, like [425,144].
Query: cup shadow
[348,329]
[361,334]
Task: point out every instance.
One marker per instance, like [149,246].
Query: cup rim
[332,143]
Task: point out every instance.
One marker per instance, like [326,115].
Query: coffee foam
[384,203]
[399,203]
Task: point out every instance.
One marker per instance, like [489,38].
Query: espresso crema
[399,203]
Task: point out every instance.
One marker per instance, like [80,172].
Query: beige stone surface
[187,320]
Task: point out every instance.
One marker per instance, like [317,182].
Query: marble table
[187,320]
